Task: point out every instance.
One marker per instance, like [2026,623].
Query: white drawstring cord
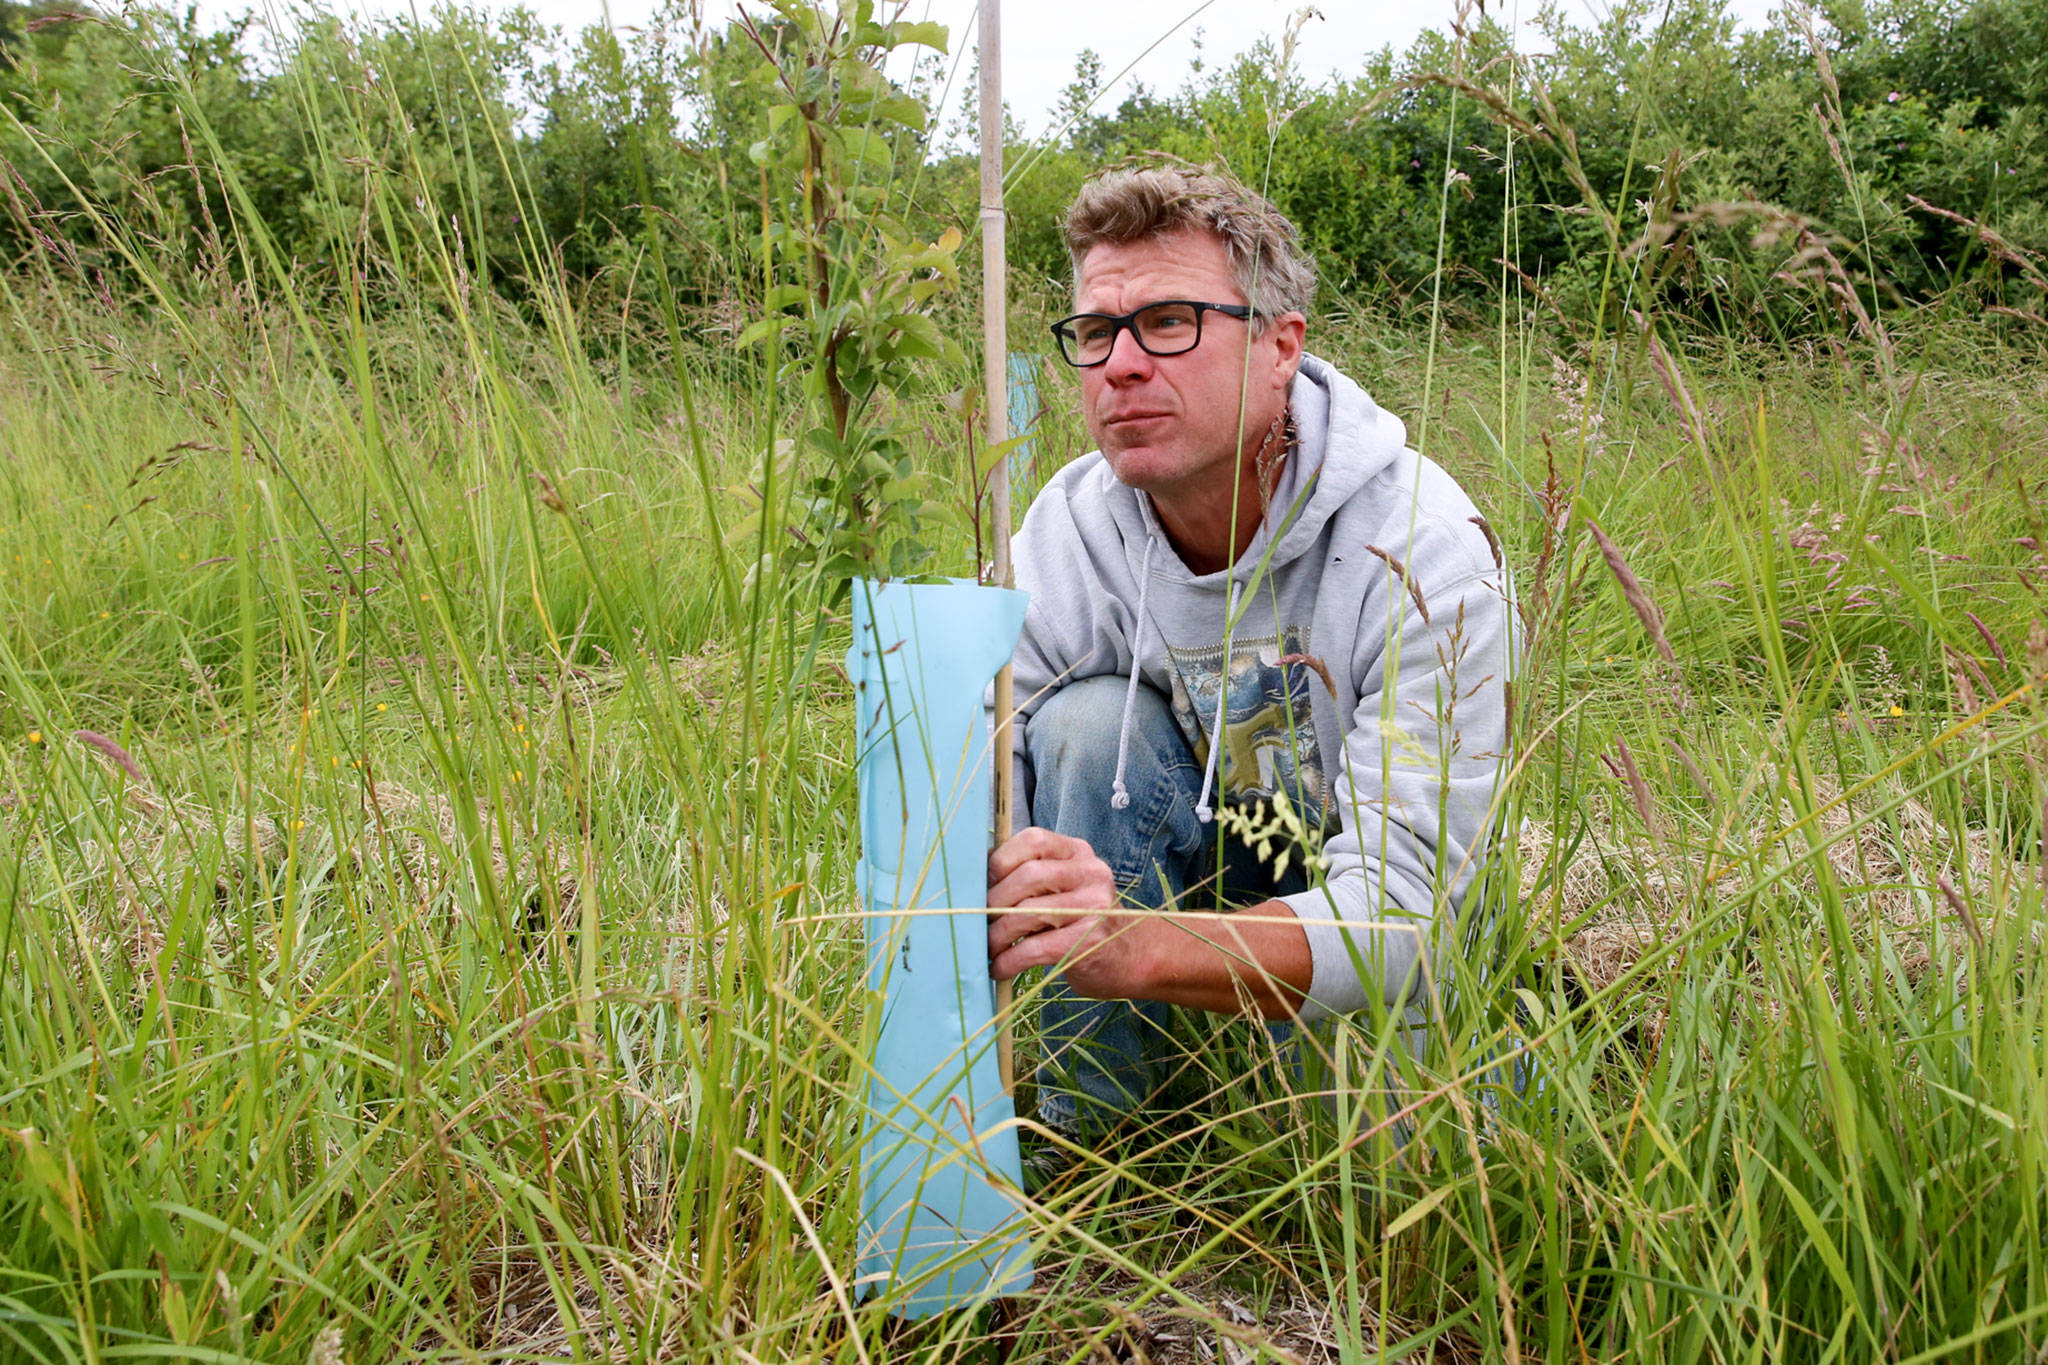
[1120,799]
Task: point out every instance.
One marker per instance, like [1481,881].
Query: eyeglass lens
[1162,329]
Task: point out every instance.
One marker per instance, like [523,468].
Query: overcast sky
[1041,38]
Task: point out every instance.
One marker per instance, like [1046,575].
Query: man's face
[1172,425]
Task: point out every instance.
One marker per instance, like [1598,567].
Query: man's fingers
[1045,916]
[1044,949]
[1005,930]
[1032,845]
[1080,882]
[1048,883]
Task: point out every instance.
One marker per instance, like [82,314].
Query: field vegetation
[426,809]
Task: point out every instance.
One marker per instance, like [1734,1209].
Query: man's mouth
[1119,419]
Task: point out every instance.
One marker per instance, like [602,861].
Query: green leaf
[855,86]
[786,296]
[908,486]
[821,440]
[807,18]
[1418,1211]
[759,331]
[905,111]
[927,258]
[902,348]
[177,1316]
[919,334]
[869,153]
[868,199]
[926,33]
[990,458]
[744,531]
[813,85]
[1816,1233]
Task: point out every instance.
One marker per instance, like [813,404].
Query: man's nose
[1127,359]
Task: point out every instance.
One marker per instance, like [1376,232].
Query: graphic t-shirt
[1269,736]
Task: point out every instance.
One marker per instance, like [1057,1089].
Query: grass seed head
[327,1347]
[1407,580]
[1632,589]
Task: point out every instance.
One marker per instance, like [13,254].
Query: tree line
[1873,155]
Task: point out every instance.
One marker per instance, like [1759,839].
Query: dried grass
[522,1320]
[153,840]
[1623,898]
[1294,1326]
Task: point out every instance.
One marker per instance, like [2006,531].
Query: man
[1252,598]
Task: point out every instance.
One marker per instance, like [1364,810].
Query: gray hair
[1266,260]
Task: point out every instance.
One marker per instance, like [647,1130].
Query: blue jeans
[1106,1059]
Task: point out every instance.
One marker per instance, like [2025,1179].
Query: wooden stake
[995,343]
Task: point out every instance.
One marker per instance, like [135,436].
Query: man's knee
[1080,723]
[1083,753]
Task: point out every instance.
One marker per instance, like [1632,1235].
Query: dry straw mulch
[143,845]
[1631,894]
[1230,1327]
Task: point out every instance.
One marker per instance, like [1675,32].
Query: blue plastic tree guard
[1024,412]
[941,1226]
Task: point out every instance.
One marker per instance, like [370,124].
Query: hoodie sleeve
[1421,767]
[1076,625]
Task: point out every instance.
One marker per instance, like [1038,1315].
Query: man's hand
[1054,888]
[1047,894]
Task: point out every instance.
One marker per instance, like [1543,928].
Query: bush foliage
[1907,139]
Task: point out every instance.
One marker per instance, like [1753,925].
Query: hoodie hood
[1346,441]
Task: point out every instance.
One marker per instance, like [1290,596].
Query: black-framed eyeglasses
[1169,327]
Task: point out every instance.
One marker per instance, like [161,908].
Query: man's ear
[1287,332]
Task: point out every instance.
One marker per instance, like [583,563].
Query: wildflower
[298,824]
[1892,97]
[382,707]
[105,614]
[35,736]
[1897,710]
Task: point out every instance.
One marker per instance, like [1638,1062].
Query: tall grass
[424,863]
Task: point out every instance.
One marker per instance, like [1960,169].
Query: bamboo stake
[995,363]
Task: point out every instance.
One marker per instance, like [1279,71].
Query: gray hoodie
[1371,602]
